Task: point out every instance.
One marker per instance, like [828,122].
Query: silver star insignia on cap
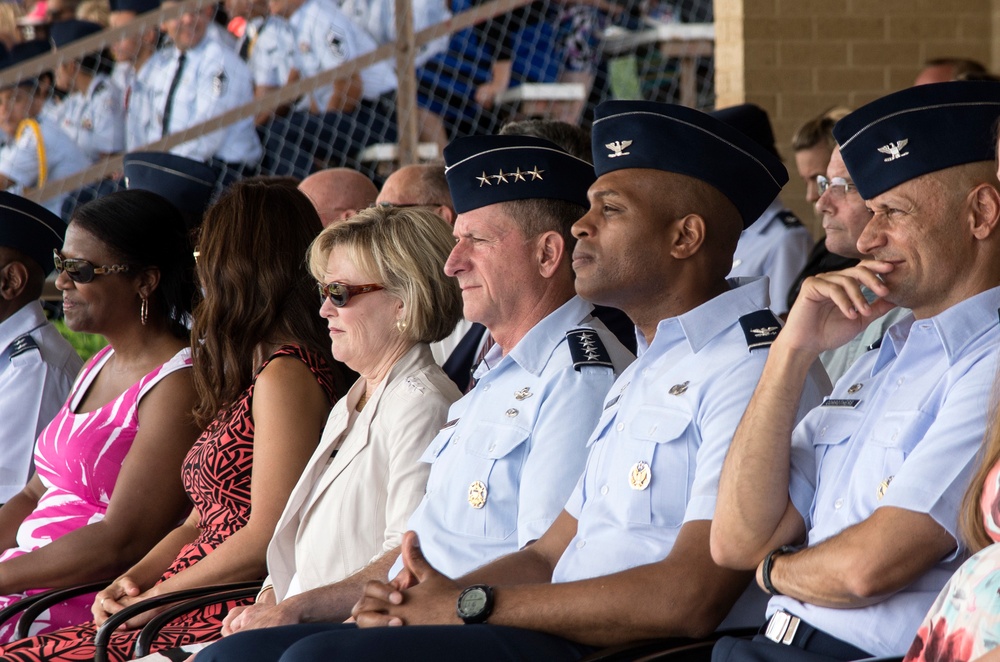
[484,180]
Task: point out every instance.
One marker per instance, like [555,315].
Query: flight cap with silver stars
[484,170]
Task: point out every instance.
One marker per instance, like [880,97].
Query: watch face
[473,601]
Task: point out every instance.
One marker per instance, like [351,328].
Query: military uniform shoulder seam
[760,328]
[587,349]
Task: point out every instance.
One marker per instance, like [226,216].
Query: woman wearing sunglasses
[265,381]
[385,297]
[104,489]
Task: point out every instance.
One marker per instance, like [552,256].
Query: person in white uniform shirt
[37,366]
[333,123]
[38,151]
[93,114]
[131,52]
[191,81]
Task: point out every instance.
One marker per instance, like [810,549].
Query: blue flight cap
[63,33]
[24,51]
[188,184]
[917,131]
[751,120]
[672,138]
[137,6]
[30,228]
[483,170]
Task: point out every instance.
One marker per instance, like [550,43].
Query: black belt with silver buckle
[790,630]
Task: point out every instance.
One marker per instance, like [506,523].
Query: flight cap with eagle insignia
[917,131]
[672,138]
[30,228]
[484,170]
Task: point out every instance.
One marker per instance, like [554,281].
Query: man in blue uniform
[37,366]
[777,245]
[657,243]
[850,517]
[514,447]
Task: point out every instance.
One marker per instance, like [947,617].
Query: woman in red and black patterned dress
[266,382]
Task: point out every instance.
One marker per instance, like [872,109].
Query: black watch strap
[765,571]
[475,604]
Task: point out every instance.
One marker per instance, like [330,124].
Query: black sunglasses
[339,293]
[81,271]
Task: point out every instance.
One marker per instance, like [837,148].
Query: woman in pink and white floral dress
[106,484]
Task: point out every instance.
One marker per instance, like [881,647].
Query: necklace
[361,401]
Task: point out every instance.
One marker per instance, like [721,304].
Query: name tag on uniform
[840,404]
[612,402]
[450,424]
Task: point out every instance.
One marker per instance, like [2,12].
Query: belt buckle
[782,627]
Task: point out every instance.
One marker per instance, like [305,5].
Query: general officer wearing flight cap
[628,557]
[513,447]
[37,366]
[850,518]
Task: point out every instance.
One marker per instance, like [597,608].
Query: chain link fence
[286,87]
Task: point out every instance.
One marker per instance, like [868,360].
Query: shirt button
[486,387]
[580,544]
[899,382]
[604,489]
[822,432]
[838,504]
[493,447]
[620,427]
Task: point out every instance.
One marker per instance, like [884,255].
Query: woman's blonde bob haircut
[404,251]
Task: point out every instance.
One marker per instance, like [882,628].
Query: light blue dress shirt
[521,434]
[34,382]
[902,428]
[772,248]
[95,119]
[673,411]
[19,160]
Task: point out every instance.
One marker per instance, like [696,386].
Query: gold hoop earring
[144,311]
[401,325]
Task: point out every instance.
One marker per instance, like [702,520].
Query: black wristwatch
[765,572]
[475,604]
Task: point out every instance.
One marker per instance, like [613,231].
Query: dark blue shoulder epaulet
[789,219]
[760,327]
[876,344]
[22,344]
[587,349]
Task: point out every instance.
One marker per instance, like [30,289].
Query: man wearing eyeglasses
[419,185]
[37,366]
[845,217]
[850,517]
[513,448]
